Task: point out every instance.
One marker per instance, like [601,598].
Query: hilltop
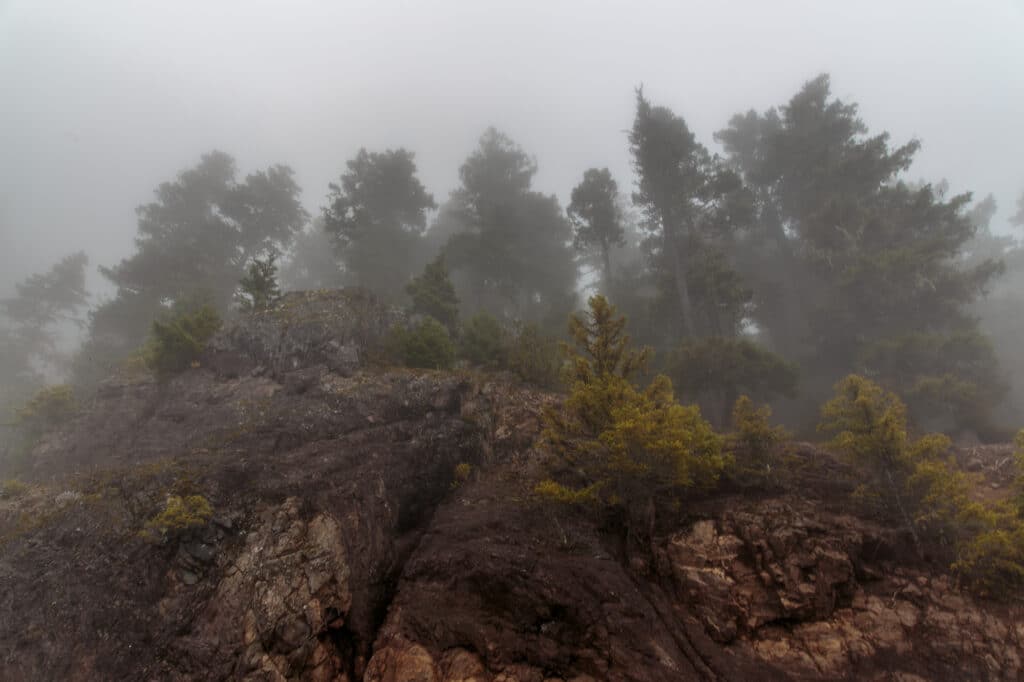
[338,519]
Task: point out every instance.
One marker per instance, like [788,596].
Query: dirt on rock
[343,546]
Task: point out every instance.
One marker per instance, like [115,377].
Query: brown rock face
[341,547]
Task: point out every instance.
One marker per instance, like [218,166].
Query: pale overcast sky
[104,99]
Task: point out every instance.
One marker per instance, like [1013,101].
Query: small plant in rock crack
[463,470]
[180,514]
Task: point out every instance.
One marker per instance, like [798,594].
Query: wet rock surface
[342,546]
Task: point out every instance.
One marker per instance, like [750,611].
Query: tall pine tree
[376,214]
[861,271]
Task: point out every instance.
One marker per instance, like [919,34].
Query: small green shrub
[432,294]
[756,445]
[177,341]
[939,492]
[427,345]
[484,342]
[179,514]
[535,357]
[869,425]
[461,474]
[552,491]
[923,482]
[753,433]
[12,489]
[991,560]
[47,409]
[621,446]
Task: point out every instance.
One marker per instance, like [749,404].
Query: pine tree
[596,218]
[854,267]
[30,323]
[258,290]
[376,214]
[692,204]
[432,294]
[195,239]
[621,446]
[509,246]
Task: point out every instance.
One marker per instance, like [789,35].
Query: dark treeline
[799,254]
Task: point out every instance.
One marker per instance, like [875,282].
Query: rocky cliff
[346,542]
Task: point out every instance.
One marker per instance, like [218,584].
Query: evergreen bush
[177,341]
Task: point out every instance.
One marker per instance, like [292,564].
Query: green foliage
[623,446]
[928,488]
[603,348]
[181,513]
[199,234]
[654,441]
[553,491]
[534,356]
[45,411]
[508,246]
[258,290]
[992,561]
[31,329]
[432,294]
[596,217]
[178,340]
[868,424]
[376,214]
[989,538]
[724,367]
[484,341]
[205,227]
[948,381]
[12,489]
[461,474]
[692,204]
[939,492]
[852,267]
[48,409]
[753,433]
[426,346]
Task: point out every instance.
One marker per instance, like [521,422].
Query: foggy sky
[103,100]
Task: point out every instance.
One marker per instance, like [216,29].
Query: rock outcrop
[342,545]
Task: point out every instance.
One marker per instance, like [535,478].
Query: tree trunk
[903,513]
[641,519]
[606,259]
[786,335]
[679,271]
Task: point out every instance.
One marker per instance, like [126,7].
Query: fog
[774,195]
[104,100]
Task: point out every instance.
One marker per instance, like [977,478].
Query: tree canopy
[597,218]
[376,214]
[31,323]
[798,254]
[848,257]
[195,239]
[509,249]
